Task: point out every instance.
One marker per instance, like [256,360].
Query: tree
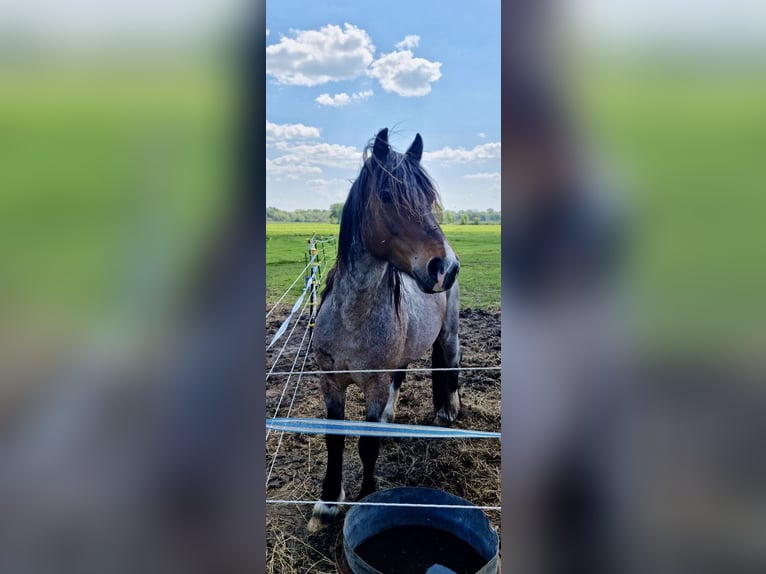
[336,209]
[463,219]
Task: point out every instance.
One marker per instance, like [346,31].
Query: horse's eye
[385,197]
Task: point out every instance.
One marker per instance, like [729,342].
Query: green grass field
[477,245]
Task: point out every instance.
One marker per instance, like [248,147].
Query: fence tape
[297,305]
[363,428]
[298,278]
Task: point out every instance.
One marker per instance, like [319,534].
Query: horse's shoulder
[328,285]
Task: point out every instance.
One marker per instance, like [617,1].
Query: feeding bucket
[417,540]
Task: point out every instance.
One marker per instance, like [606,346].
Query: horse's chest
[358,341]
[345,339]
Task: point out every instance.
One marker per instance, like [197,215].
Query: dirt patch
[466,468]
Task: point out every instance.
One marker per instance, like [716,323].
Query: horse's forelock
[411,188]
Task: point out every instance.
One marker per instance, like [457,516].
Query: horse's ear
[380,148]
[416,149]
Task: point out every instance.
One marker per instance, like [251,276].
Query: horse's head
[399,221]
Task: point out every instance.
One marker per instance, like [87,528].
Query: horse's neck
[363,287]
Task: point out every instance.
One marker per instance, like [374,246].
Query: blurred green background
[112,177]
[112,180]
[687,139]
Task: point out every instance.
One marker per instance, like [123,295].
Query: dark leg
[333,480]
[398,377]
[369,448]
[332,487]
[446,394]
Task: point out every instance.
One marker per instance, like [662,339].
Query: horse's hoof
[322,517]
[444,418]
[318,523]
[324,514]
[366,490]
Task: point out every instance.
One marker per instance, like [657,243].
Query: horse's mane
[399,179]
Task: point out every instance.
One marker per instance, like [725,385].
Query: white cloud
[321,154]
[333,190]
[410,41]
[483,176]
[362,95]
[342,99]
[301,160]
[461,155]
[290,131]
[320,183]
[403,74]
[314,57]
[332,53]
[277,170]
[482,135]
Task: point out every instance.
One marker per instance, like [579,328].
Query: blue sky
[338,72]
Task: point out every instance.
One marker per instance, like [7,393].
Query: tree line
[332,215]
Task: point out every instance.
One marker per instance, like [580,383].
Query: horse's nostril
[449,278]
[436,267]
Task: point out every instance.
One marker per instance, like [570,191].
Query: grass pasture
[477,245]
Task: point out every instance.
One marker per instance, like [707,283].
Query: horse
[391,295]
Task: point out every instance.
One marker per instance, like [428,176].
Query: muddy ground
[466,468]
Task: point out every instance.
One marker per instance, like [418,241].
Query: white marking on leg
[323,513]
[390,408]
[454,403]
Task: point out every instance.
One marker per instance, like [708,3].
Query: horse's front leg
[332,487]
[377,396]
[446,388]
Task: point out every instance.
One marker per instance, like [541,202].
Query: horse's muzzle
[442,273]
